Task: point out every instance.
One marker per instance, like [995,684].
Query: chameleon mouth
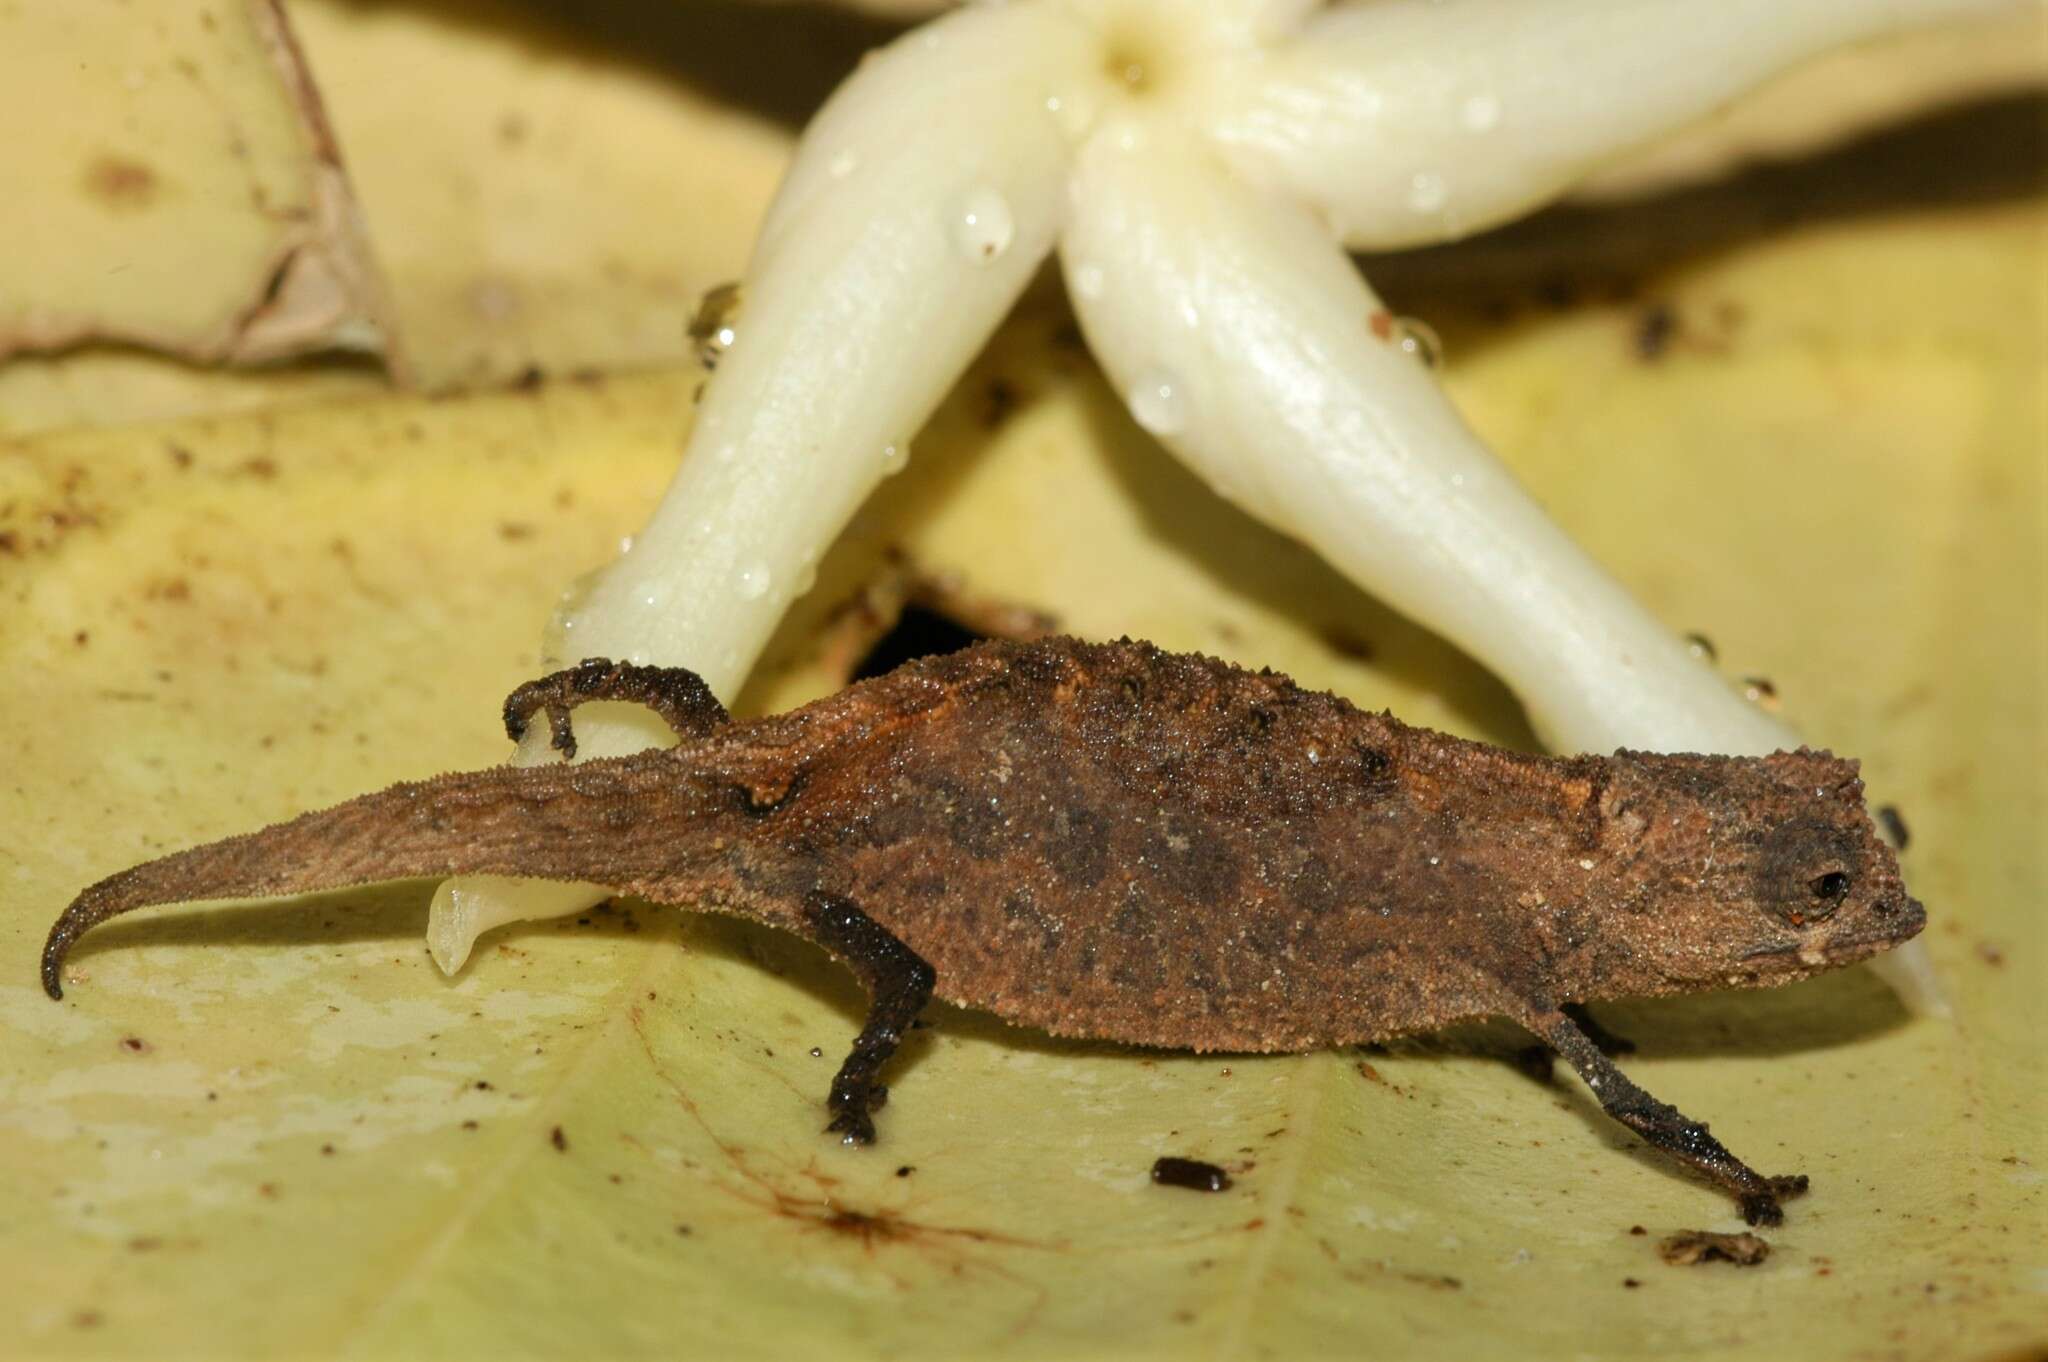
[1775,950]
[1901,922]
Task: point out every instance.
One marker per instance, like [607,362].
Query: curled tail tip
[53,967]
[64,934]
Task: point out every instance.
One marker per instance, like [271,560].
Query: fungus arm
[1412,121]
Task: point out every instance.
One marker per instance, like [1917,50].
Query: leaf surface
[274,1129]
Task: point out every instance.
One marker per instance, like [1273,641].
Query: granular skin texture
[1111,841]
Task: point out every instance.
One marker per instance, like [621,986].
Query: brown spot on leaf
[868,1229]
[1371,1075]
[1655,327]
[121,183]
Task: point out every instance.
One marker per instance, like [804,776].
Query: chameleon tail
[505,821]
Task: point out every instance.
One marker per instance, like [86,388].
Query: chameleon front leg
[1665,1127]
[677,694]
[899,984]
[1536,1060]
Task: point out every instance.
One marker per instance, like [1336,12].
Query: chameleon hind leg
[899,984]
[677,694]
[1667,1128]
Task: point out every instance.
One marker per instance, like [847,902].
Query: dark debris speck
[1170,1170]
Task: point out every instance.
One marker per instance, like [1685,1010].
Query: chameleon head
[1757,870]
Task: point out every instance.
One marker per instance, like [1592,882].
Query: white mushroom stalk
[1245,341]
[1200,164]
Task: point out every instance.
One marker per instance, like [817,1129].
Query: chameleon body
[1107,840]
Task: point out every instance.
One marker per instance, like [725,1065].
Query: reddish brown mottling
[1111,841]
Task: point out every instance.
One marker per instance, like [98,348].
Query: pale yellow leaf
[1834,470]
[1832,466]
[170,184]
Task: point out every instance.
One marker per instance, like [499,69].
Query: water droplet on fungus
[1418,339]
[712,326]
[1075,111]
[1158,401]
[1427,191]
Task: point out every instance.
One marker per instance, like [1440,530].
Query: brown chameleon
[1107,840]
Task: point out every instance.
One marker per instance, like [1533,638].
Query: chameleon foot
[899,985]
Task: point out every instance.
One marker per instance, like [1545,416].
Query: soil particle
[1689,1248]
[1193,1174]
[1894,824]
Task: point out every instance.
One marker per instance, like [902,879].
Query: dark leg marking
[899,984]
[1667,1128]
[677,694]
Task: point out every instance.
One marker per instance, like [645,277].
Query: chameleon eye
[1830,888]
